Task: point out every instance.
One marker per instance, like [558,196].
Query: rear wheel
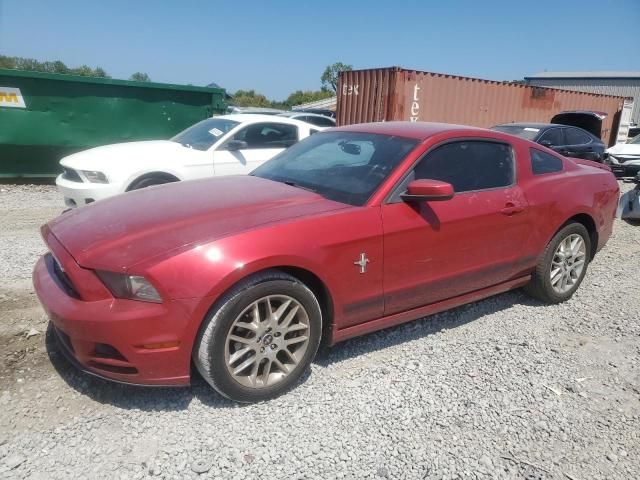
[260,338]
[562,266]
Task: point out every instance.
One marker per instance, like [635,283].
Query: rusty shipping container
[386,94]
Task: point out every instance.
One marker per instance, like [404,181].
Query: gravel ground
[503,388]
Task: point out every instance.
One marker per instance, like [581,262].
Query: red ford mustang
[352,230]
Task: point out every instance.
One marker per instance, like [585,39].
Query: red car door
[435,250]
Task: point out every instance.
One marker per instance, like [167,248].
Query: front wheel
[260,338]
[562,266]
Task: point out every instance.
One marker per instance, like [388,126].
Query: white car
[624,158]
[224,145]
[312,118]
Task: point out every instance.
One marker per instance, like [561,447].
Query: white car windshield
[635,140]
[203,135]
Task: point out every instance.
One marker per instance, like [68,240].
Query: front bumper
[77,194]
[110,337]
[625,170]
[623,167]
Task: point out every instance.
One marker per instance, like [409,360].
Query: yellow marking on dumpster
[8,97]
[11,97]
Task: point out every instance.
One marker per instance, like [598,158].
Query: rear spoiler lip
[591,163]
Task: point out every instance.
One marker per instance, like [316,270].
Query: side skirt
[416,313]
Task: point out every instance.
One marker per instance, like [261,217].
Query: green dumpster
[44,116]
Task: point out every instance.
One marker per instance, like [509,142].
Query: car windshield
[635,140]
[346,167]
[518,130]
[203,135]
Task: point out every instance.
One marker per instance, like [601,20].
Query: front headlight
[131,287]
[94,176]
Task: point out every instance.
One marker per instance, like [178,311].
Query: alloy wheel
[568,263]
[267,341]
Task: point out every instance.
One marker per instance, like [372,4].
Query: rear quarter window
[542,162]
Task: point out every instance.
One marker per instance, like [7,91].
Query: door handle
[512,209]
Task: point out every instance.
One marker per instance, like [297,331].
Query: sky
[279,46]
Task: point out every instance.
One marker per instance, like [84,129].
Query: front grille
[61,278]
[626,158]
[70,174]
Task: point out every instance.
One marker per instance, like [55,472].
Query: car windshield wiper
[297,185]
[184,144]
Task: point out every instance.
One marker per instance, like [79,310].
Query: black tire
[540,285]
[209,349]
[150,181]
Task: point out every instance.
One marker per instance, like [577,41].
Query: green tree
[329,77]
[83,71]
[60,67]
[250,98]
[298,97]
[100,72]
[30,64]
[140,77]
[86,71]
[7,62]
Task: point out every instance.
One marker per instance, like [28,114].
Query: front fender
[225,272]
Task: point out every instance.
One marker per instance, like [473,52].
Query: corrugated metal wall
[621,87]
[373,85]
[398,94]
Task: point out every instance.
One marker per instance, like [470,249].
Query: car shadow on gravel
[632,222]
[165,399]
[423,327]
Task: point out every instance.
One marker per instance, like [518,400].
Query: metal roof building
[327,103]
[622,84]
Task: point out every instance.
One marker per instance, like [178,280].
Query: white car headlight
[94,176]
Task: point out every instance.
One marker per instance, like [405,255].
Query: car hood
[119,232]
[101,158]
[625,149]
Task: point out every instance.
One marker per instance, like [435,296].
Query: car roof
[258,117]
[418,130]
[267,111]
[533,125]
[301,114]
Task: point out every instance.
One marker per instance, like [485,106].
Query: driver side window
[469,166]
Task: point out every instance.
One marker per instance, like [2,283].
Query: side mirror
[234,145]
[423,190]
[546,143]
